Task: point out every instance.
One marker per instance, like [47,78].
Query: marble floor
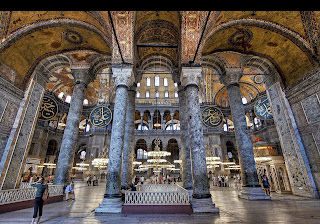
[281,209]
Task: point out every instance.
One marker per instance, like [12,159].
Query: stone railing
[162,194]
[28,193]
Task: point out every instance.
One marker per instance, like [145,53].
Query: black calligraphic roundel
[212,117]
[48,109]
[100,116]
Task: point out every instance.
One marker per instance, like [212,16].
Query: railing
[163,194]
[23,194]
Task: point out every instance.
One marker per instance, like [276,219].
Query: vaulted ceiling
[168,39]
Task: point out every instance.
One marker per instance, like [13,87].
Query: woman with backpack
[42,188]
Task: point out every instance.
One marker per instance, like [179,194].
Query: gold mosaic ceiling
[27,37]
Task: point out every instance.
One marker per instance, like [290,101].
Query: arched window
[61,95]
[140,154]
[68,99]
[157,80]
[147,94]
[176,94]
[166,94]
[157,94]
[148,81]
[165,81]
[244,100]
[85,102]
[138,94]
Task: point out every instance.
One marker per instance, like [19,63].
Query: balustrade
[26,193]
[151,194]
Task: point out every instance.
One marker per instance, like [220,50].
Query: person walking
[38,201]
[70,190]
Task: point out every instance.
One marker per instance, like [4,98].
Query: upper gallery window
[157,94]
[147,94]
[148,81]
[138,94]
[176,94]
[157,80]
[165,81]
[244,100]
[68,99]
[166,94]
[61,95]
[138,84]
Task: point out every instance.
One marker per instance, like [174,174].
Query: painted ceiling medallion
[240,37]
[72,37]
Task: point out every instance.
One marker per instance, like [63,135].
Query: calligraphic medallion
[212,117]
[48,109]
[100,116]
[262,108]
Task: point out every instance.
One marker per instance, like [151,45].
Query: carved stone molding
[190,76]
[123,76]
[232,76]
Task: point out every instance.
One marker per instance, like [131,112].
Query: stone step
[203,205]
[109,205]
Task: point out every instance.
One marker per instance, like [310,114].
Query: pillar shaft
[70,135]
[243,139]
[123,79]
[128,145]
[185,147]
[190,78]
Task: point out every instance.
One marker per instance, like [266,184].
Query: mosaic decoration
[48,109]
[72,37]
[212,117]
[262,108]
[240,37]
[100,116]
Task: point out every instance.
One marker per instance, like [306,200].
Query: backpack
[45,194]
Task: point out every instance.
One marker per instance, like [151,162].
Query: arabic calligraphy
[212,117]
[100,116]
[263,109]
[48,109]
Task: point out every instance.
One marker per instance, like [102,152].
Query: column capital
[232,76]
[82,75]
[190,76]
[123,76]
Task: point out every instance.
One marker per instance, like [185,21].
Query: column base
[203,205]
[253,193]
[109,205]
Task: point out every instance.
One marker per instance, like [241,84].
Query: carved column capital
[190,76]
[123,76]
[232,76]
[82,75]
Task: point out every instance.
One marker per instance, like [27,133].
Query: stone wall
[304,99]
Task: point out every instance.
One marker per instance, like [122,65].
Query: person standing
[38,201]
[70,190]
[142,179]
[266,185]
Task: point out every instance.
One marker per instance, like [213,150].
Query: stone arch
[173,147]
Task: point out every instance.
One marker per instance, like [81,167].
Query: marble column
[141,123]
[185,147]
[151,122]
[251,188]
[70,136]
[190,78]
[171,114]
[123,79]
[17,146]
[128,144]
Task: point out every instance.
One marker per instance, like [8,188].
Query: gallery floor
[281,209]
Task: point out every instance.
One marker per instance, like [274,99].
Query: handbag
[45,194]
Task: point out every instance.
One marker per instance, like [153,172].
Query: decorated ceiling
[167,39]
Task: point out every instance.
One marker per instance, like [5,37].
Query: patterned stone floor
[281,209]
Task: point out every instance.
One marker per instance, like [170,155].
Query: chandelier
[102,161]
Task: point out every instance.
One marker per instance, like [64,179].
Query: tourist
[227,181]
[94,182]
[89,180]
[219,181]
[70,190]
[266,184]
[38,201]
[214,180]
[142,179]
[164,179]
